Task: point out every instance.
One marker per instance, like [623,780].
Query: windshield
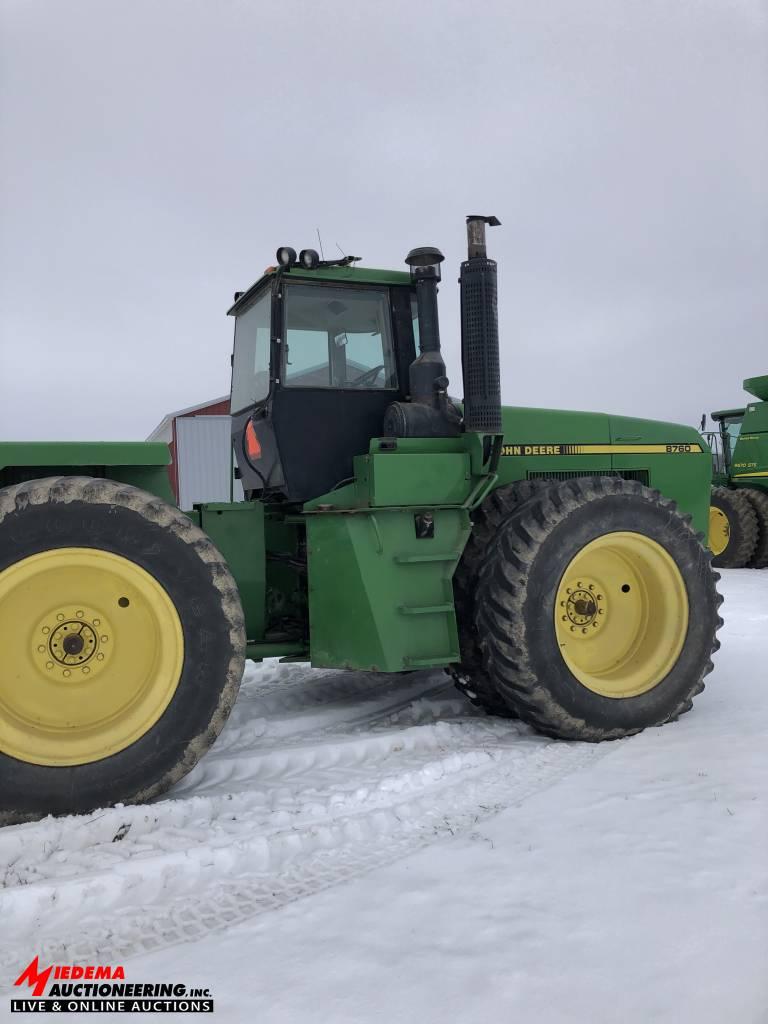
[338,338]
[732,429]
[250,366]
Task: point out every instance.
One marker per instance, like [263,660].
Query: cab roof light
[286,256]
[309,259]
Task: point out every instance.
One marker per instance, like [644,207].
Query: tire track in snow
[331,705]
[329,786]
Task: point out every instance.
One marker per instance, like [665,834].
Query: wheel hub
[71,643]
[719,530]
[583,606]
[621,614]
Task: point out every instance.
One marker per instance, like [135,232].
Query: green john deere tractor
[551,562]
[738,517]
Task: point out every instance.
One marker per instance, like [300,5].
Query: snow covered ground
[355,850]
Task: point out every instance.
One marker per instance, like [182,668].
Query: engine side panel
[558,444]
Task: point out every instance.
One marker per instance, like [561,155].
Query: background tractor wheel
[470,677]
[759,502]
[123,646]
[732,528]
[597,610]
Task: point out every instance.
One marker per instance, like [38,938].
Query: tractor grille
[641,475]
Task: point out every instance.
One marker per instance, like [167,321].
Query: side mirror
[703,422]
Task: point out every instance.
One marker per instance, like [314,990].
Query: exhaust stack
[480,332]
[429,413]
[428,366]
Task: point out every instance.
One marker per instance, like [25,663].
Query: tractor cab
[321,350]
[325,361]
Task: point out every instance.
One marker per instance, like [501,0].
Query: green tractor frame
[551,562]
[738,526]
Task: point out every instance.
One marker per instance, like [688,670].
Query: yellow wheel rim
[621,615]
[92,652]
[719,530]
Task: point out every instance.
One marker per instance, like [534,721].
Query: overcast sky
[154,153]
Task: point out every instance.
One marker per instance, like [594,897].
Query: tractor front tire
[597,610]
[733,528]
[759,502]
[122,641]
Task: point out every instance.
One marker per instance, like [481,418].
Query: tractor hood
[581,433]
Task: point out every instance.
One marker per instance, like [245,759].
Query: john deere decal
[601,449]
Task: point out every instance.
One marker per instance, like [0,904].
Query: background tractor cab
[723,440]
[738,518]
[740,444]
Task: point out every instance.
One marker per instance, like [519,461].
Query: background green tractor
[552,562]
[738,523]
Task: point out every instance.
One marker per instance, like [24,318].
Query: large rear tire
[597,610]
[733,529]
[123,646]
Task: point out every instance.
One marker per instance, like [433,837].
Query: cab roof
[727,414]
[333,275]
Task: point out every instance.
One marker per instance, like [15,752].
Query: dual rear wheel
[595,610]
[738,528]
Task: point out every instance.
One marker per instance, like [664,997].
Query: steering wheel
[367,376]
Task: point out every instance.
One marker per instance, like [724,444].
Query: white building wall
[204,460]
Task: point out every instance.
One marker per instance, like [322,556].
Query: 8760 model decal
[602,449]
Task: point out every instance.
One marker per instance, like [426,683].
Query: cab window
[337,338]
[250,366]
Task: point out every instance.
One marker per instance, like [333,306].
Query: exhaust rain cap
[476,233]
